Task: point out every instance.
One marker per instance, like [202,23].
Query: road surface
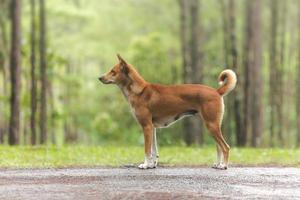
[154,184]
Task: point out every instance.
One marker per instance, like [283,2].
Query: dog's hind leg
[217,134]
[225,149]
[219,157]
[212,114]
[154,149]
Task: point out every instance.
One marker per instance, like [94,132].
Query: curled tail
[227,81]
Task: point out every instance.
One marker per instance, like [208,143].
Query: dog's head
[118,74]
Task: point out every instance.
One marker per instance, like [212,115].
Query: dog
[157,106]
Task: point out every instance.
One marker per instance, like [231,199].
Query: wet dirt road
[160,183]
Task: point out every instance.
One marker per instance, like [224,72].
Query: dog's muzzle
[103,80]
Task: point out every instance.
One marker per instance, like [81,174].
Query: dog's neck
[134,84]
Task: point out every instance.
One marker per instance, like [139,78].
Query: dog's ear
[122,61]
[123,64]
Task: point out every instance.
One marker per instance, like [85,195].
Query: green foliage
[83,38]
[151,56]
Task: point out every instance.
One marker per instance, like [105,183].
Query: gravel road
[160,183]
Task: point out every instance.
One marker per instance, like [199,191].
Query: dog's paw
[215,165]
[146,166]
[220,166]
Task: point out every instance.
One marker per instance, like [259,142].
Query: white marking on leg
[219,157]
[222,111]
[154,149]
[148,163]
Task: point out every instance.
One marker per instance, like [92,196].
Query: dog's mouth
[104,81]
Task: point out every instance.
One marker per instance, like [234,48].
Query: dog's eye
[113,72]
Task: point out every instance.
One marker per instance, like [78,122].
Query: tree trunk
[280,74]
[256,100]
[273,84]
[247,77]
[196,127]
[15,70]
[276,72]
[69,123]
[184,32]
[191,62]
[228,101]
[184,37]
[237,109]
[234,120]
[52,119]
[43,67]
[33,76]
[68,134]
[225,20]
[4,65]
[252,72]
[298,83]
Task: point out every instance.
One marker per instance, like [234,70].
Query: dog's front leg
[154,150]
[148,134]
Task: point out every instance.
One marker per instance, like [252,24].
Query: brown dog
[158,106]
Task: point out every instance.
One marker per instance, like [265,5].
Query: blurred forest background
[52,52]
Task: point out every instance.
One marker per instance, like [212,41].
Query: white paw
[219,166]
[148,164]
[215,165]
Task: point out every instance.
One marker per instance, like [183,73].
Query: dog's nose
[101,78]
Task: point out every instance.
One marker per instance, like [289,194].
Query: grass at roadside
[83,156]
